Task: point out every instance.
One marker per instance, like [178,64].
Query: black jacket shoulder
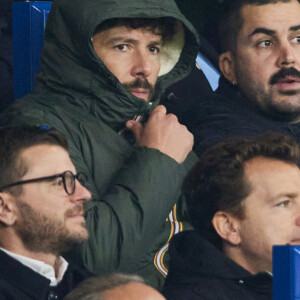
[199,270]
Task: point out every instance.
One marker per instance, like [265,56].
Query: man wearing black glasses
[41,214]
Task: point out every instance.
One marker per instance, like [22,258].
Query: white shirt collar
[42,268]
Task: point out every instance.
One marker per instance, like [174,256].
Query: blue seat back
[286,272]
[29,20]
[210,71]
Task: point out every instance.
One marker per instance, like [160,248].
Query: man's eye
[265,44]
[121,47]
[296,40]
[58,182]
[283,203]
[154,49]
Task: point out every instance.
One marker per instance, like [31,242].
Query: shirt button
[52,296]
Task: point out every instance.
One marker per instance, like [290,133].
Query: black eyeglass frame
[62,175]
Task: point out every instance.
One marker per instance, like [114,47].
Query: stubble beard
[282,105]
[39,233]
[141,83]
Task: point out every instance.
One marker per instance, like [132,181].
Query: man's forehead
[45,159]
[273,16]
[125,32]
[36,149]
[272,175]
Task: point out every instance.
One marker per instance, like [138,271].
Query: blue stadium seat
[210,72]
[29,20]
[286,272]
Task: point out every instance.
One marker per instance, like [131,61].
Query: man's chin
[78,237]
[289,92]
[80,231]
[284,106]
[77,229]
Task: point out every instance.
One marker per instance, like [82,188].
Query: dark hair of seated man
[218,181]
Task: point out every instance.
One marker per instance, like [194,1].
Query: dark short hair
[230,21]
[166,26]
[94,287]
[218,182]
[15,139]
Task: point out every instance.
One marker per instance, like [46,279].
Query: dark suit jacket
[18,282]
[198,271]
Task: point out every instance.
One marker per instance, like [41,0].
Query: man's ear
[8,214]
[227,66]
[227,227]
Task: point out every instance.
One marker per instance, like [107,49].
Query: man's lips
[288,83]
[78,216]
[140,93]
[75,213]
[288,79]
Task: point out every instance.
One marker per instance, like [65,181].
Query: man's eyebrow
[287,195]
[120,39]
[262,30]
[156,43]
[117,40]
[270,31]
[295,28]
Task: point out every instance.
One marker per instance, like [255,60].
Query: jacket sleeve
[125,224]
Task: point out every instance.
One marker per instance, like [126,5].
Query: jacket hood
[70,66]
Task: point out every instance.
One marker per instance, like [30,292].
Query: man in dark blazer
[41,214]
[243,197]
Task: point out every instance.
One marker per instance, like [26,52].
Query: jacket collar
[193,255]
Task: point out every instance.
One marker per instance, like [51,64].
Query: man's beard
[278,104]
[140,83]
[39,233]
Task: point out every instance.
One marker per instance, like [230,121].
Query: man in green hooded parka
[104,67]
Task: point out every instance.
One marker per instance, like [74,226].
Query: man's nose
[81,193]
[297,221]
[141,67]
[286,56]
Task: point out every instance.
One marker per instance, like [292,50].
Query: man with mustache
[104,67]
[260,63]
[41,214]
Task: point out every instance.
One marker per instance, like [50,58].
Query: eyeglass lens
[69,181]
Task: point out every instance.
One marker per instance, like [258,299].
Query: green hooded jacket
[133,188]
